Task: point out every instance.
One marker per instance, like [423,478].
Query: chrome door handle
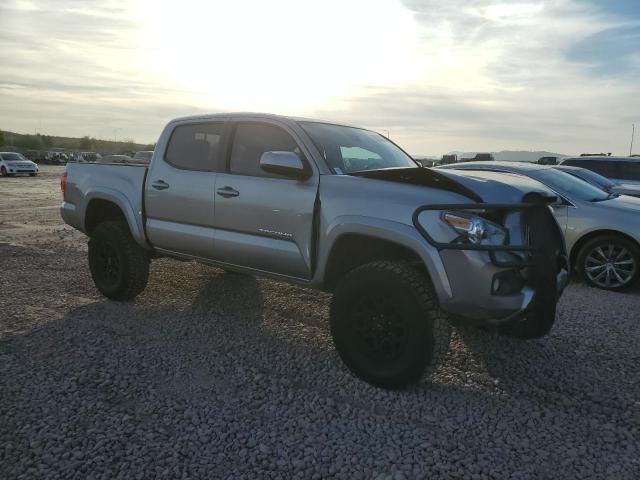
[160,185]
[227,192]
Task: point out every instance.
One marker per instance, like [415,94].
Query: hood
[20,163]
[424,177]
[499,187]
[623,202]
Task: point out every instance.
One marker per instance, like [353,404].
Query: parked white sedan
[12,163]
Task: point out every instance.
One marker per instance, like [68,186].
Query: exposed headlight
[476,229]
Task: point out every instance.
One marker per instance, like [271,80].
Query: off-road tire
[617,240]
[408,301]
[113,240]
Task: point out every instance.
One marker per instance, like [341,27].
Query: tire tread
[136,268]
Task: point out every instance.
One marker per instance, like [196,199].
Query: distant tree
[1,137]
[47,141]
[127,145]
[29,142]
[85,143]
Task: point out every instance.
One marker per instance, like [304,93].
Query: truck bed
[122,184]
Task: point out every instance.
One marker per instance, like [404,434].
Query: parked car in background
[13,163]
[622,170]
[599,181]
[601,229]
[56,158]
[116,159]
[448,159]
[335,208]
[143,156]
[548,161]
[34,155]
[88,157]
[76,157]
[479,157]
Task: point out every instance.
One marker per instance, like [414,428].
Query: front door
[264,221]
[179,191]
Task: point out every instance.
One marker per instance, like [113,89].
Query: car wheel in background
[386,324]
[32,174]
[610,262]
[3,172]
[119,266]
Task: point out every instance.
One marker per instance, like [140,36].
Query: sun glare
[282,55]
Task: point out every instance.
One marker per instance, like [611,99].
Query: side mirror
[287,164]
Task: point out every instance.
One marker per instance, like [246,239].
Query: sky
[436,75]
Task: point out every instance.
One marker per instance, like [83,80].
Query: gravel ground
[212,375]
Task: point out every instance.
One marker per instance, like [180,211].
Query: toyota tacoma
[405,250]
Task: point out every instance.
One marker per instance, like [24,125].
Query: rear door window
[195,147]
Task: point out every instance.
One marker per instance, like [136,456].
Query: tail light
[63,182]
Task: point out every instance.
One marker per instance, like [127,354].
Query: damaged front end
[503,251]
[506,263]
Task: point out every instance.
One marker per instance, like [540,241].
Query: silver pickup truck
[404,249]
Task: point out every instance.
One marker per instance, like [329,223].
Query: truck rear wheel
[386,324]
[119,266]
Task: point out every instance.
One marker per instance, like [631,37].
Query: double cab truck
[404,249]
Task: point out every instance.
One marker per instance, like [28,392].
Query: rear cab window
[196,146]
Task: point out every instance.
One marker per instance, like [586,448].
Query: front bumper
[497,284]
[473,278]
[17,170]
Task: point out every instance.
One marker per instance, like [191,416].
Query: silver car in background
[602,229]
[143,156]
[599,181]
[13,163]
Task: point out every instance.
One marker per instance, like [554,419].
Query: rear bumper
[497,284]
[69,214]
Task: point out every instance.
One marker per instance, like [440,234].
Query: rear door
[264,221]
[179,190]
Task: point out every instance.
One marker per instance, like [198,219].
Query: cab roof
[256,115]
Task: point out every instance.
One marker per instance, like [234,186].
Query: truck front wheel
[119,266]
[386,324]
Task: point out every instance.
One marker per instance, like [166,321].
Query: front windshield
[570,186]
[12,157]
[349,149]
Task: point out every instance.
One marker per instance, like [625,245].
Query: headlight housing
[475,229]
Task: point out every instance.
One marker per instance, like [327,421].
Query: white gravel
[212,375]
